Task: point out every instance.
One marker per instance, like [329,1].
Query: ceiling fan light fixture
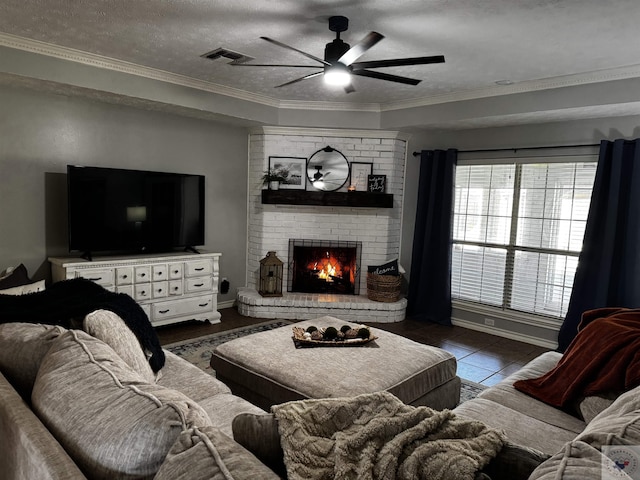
[337,75]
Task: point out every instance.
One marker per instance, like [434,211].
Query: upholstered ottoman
[266,368]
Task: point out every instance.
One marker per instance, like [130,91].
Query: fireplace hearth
[324,266]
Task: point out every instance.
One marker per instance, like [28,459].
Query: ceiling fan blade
[272,65]
[311,75]
[360,48]
[284,45]
[386,76]
[399,62]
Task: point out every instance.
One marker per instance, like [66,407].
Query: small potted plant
[273,177]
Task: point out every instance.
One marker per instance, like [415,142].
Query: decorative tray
[323,337]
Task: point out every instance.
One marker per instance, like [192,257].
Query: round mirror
[327,169]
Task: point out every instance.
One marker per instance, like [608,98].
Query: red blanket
[604,357]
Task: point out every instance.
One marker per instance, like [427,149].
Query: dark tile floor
[482,358]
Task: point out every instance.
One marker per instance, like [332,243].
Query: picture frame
[296,168]
[376,183]
[359,174]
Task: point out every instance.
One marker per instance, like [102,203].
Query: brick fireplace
[375,230]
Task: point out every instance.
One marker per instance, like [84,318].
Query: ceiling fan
[339,62]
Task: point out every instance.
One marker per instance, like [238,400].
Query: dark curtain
[608,273]
[429,296]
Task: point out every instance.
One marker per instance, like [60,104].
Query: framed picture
[295,169]
[376,183]
[359,174]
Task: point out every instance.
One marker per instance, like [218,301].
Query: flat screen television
[114,210]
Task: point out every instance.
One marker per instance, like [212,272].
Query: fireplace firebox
[324,266]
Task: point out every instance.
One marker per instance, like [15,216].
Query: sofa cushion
[111,421]
[178,374]
[578,461]
[223,407]
[23,289]
[517,425]
[111,329]
[22,348]
[618,424]
[590,407]
[208,454]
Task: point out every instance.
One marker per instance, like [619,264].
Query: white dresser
[171,287]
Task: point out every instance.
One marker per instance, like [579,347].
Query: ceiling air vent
[230,54]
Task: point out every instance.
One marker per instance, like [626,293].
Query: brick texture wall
[271,226]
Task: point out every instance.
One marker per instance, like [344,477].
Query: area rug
[198,351]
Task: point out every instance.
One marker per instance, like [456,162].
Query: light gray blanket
[376,436]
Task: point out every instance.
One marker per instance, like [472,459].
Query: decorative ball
[307,335]
[311,329]
[364,333]
[351,333]
[345,328]
[316,335]
[330,333]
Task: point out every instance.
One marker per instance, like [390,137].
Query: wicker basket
[383,288]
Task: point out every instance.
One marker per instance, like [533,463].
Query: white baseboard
[505,333]
[227,304]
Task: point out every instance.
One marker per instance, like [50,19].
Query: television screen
[117,210]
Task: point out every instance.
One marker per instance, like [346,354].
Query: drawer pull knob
[164,311]
[176,271]
[199,269]
[203,304]
[176,289]
[159,290]
[198,284]
[94,279]
[124,276]
[143,293]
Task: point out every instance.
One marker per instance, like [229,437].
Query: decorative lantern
[270,276]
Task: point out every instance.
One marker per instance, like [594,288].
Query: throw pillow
[107,326]
[14,277]
[578,461]
[22,348]
[110,421]
[514,462]
[23,289]
[259,434]
[389,268]
[206,453]
[590,407]
[619,424]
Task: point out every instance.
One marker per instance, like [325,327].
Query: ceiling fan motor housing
[334,50]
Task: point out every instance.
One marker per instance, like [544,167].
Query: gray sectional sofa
[567,445]
[80,404]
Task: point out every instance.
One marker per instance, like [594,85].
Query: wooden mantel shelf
[328,199]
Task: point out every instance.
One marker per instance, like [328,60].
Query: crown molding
[330,132]
[619,73]
[98,61]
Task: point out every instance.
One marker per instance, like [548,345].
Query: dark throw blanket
[66,303]
[603,358]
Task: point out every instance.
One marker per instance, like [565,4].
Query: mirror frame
[314,167]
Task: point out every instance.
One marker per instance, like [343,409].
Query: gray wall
[40,133]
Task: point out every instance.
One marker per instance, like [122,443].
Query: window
[517,233]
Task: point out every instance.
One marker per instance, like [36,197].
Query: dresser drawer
[101,277]
[143,274]
[159,289]
[175,287]
[175,271]
[198,267]
[142,292]
[198,284]
[179,308]
[159,272]
[124,276]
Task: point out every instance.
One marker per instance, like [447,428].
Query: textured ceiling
[484,41]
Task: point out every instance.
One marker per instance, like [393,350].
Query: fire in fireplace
[324,266]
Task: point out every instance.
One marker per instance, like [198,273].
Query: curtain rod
[515,149]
